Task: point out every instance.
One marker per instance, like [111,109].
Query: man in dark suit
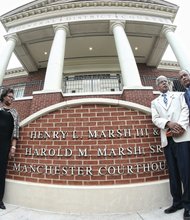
[184,78]
[170,113]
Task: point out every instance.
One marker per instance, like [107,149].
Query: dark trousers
[178,161]
[3,167]
[4,154]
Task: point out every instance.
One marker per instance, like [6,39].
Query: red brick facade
[90,143]
[104,144]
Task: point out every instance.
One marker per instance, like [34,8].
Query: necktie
[165,98]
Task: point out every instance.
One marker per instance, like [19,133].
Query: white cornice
[15,72]
[42,8]
[169,65]
[46,21]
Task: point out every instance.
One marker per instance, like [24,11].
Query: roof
[89,25]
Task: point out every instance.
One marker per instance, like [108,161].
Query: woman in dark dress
[9,133]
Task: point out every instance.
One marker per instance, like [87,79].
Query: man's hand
[175,128]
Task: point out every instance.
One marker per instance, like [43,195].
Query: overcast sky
[182,21]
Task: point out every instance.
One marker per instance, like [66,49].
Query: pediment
[39,4]
[34,22]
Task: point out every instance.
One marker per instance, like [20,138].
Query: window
[92,83]
[19,91]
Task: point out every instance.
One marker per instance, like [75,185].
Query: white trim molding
[83,101]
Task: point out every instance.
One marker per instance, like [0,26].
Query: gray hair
[160,78]
[184,71]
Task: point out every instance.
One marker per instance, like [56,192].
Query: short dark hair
[4,93]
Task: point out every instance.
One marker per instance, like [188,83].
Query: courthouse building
[87,143]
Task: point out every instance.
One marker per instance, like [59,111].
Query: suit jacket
[187,98]
[175,111]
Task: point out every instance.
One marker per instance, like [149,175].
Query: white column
[177,48]
[129,70]
[6,54]
[54,72]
